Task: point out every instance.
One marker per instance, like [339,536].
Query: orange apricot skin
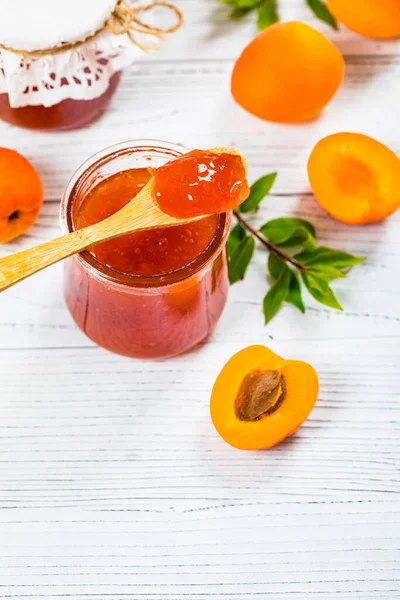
[21,193]
[379,19]
[301,394]
[355,178]
[287,74]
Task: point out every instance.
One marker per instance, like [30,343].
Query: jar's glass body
[142,317]
[67,114]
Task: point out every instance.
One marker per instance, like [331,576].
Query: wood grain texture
[17,267]
[113,484]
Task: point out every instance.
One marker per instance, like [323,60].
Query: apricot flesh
[21,193]
[355,178]
[288,73]
[259,398]
[379,19]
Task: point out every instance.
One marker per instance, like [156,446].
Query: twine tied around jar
[123,20]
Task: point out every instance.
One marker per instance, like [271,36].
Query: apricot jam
[154,252]
[67,114]
[150,294]
[200,183]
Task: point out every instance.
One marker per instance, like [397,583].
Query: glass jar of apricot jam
[61,62]
[151,294]
[67,114]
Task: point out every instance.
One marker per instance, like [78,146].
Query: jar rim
[105,272]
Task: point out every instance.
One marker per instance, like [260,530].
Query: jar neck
[130,155]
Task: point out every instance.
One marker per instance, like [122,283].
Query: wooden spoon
[139,214]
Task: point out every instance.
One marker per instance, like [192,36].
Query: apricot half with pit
[259,398]
[21,194]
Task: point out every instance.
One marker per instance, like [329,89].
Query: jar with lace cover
[61,62]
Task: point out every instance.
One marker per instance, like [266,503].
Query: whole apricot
[378,19]
[288,73]
[355,178]
[21,194]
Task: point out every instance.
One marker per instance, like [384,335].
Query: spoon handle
[16,267]
[19,266]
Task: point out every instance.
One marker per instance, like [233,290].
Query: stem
[270,247]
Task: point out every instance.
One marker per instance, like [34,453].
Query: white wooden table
[113,483]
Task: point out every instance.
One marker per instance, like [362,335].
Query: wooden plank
[292,551]
[84,428]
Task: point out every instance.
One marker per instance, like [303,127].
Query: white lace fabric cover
[82,73]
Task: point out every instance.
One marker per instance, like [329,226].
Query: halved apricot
[259,398]
[379,19]
[355,178]
[287,73]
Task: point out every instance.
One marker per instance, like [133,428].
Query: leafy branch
[294,259]
[267,11]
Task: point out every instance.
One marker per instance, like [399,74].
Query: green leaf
[267,14]
[320,290]
[247,3]
[322,12]
[323,256]
[301,238]
[279,231]
[326,272]
[240,259]
[275,266]
[237,234]
[258,191]
[294,296]
[276,295]
[230,2]
[238,13]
